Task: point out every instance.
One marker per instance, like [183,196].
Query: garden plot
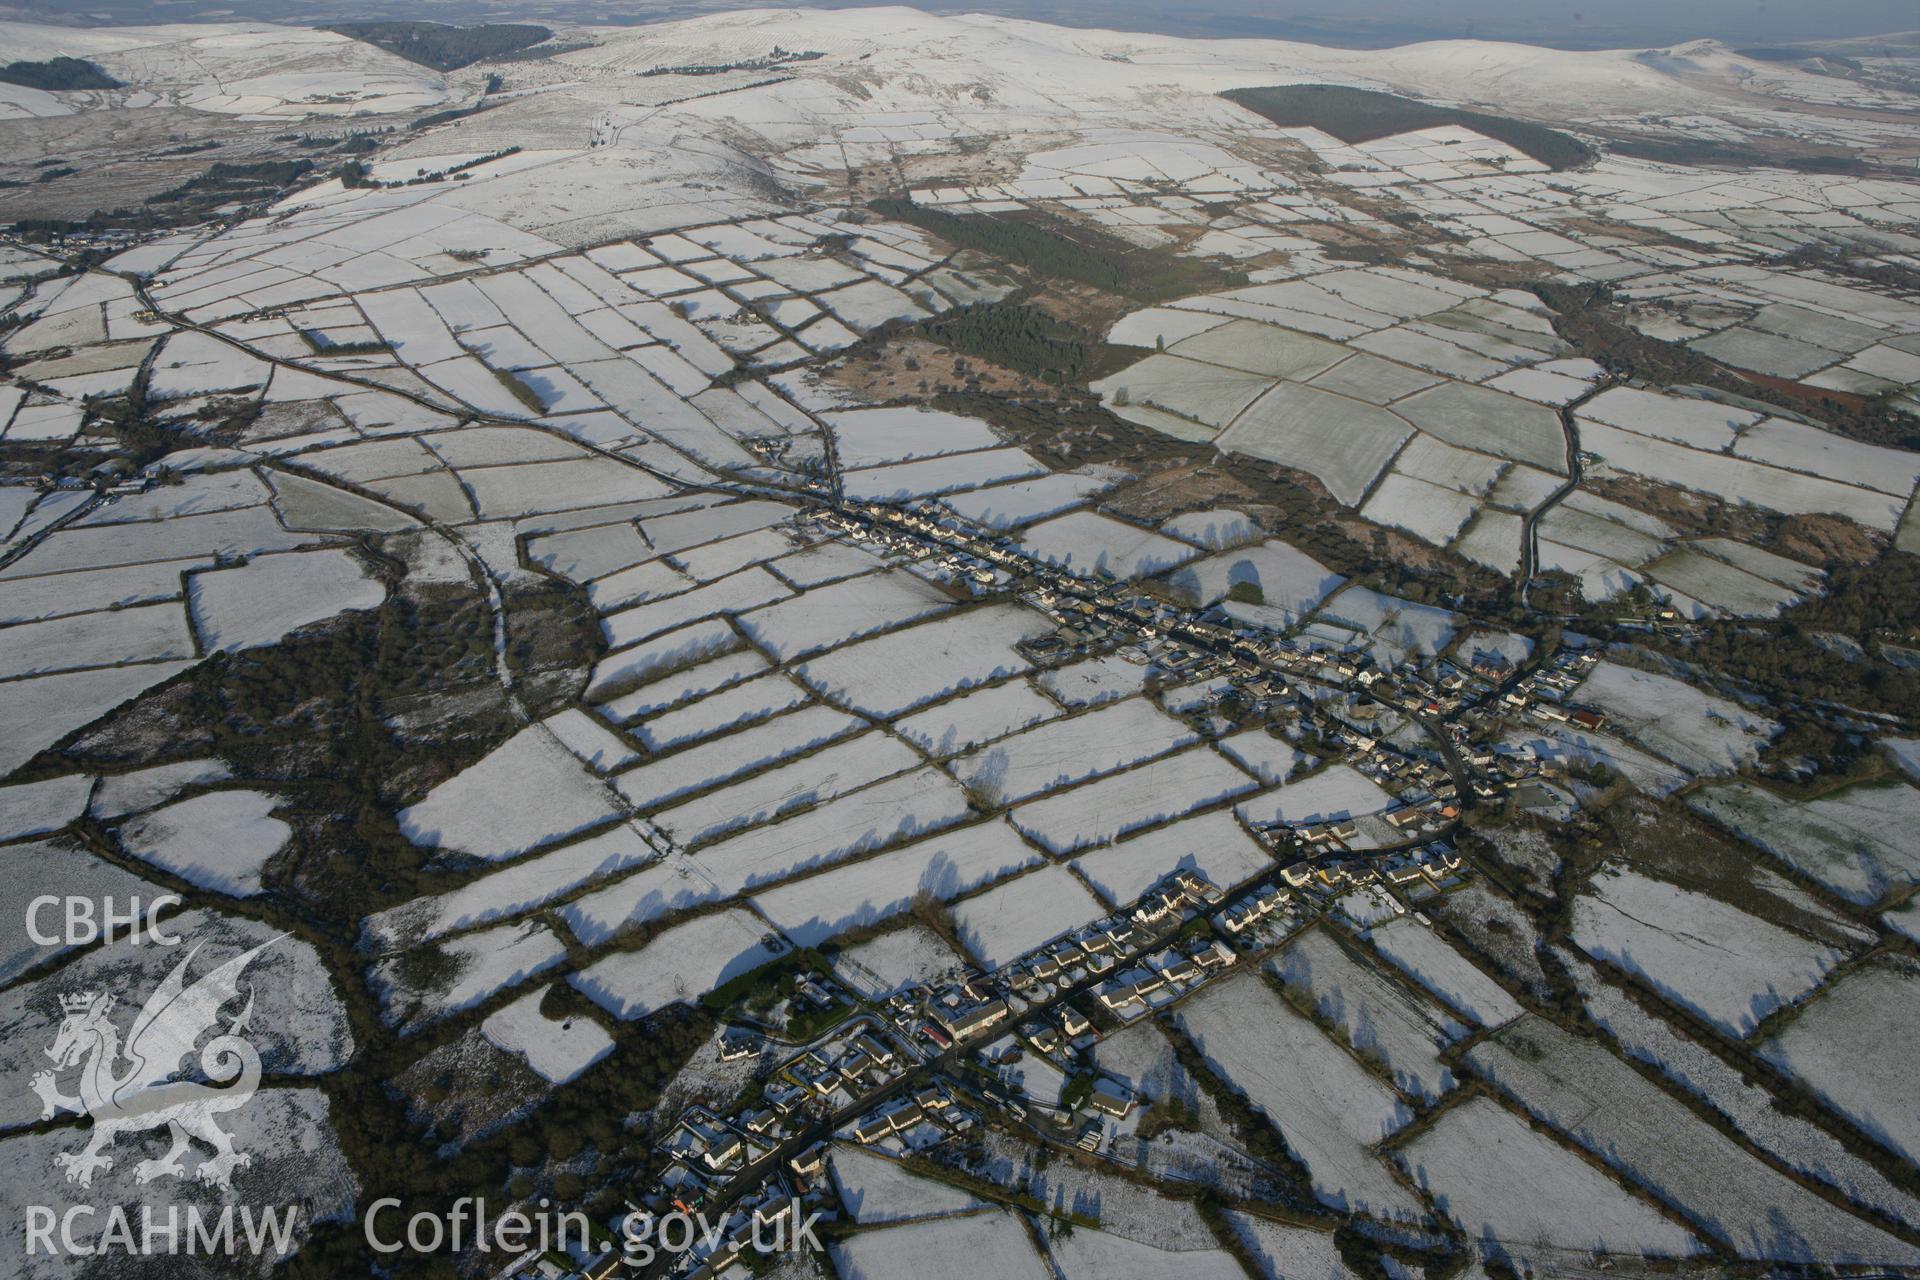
[1203,393]
[1252,347]
[892,961]
[559,1050]
[872,437]
[1510,1189]
[680,965]
[960,1247]
[1796,1141]
[875,1188]
[510,891]
[930,477]
[221,841]
[829,616]
[712,763]
[1576,1086]
[1436,965]
[749,589]
[528,792]
[139,633]
[1070,750]
[1857,841]
[1427,511]
[803,781]
[1098,1255]
[466,971]
[1697,731]
[1839,1047]
[621,672]
[1343,443]
[1212,844]
[1336,793]
[1380,1016]
[817,908]
[747,702]
[1085,543]
[269,597]
[1328,1108]
[1101,811]
[1004,923]
[1287,580]
[1490,423]
[1725,965]
[980,716]
[1093,681]
[896,672]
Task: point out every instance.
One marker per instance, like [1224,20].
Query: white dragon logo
[145,1095]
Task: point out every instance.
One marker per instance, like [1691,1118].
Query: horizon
[1360,24]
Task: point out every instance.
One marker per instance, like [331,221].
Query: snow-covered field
[903,669]
[874,1189]
[1336,792]
[222,840]
[1063,751]
[1436,965]
[1007,921]
[1856,841]
[815,908]
[1324,1103]
[527,792]
[558,1049]
[1105,809]
[680,965]
[952,1248]
[1697,731]
[897,958]
[1523,1196]
[1379,1014]
[1212,844]
[1727,966]
[1838,1045]
[1576,1086]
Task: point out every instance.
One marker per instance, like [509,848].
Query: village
[918,1074]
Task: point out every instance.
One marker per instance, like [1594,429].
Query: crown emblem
[77,1002]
